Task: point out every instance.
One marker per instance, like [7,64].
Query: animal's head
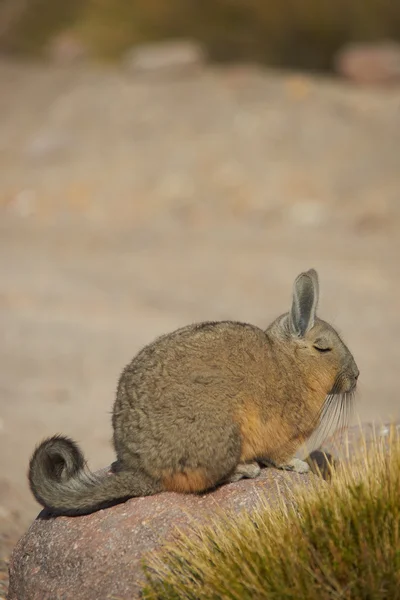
[317,347]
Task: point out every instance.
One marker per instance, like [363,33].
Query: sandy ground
[129,207]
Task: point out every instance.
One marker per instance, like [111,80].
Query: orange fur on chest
[264,438]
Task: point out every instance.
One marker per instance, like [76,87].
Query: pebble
[373,64]
[174,56]
[66,49]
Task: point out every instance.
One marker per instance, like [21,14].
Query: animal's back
[209,358]
[179,401]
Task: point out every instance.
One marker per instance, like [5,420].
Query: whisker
[323,421]
[334,415]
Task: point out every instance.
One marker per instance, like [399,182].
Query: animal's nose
[356,373]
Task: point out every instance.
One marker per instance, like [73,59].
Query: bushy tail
[60,480]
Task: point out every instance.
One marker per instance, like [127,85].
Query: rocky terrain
[131,204]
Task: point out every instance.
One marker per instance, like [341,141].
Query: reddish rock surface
[99,556]
[66,48]
[373,64]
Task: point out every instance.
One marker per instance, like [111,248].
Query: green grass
[338,541]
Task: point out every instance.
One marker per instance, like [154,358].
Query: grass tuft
[337,541]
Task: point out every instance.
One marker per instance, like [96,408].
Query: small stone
[373,64]
[66,49]
[321,463]
[170,57]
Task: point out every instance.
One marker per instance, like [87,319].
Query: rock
[321,463]
[7,542]
[170,57]
[370,63]
[66,49]
[345,443]
[99,555]
[11,525]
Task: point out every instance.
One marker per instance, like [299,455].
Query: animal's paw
[245,471]
[296,465]
[251,470]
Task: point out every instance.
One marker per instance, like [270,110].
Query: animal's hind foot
[244,471]
[296,465]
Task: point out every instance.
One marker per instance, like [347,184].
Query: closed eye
[320,349]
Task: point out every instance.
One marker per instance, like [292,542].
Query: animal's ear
[305,302]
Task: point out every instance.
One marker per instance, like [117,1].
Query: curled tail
[60,480]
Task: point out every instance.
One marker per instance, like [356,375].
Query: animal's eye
[322,348]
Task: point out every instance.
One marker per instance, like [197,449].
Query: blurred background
[170,162]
